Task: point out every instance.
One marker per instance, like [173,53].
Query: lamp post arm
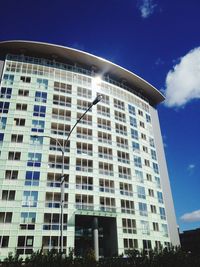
[61,147]
[56,140]
[79,119]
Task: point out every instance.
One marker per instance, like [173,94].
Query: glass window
[143,136]
[21,107]
[4,241]
[140,112]
[40,96]
[8,79]
[42,83]
[32,178]
[141,192]
[151,142]
[165,230]
[3,121]
[131,109]
[133,122]
[28,218]
[153,154]
[134,134]
[36,140]
[149,177]
[129,226]
[162,213]
[37,126]
[84,92]
[127,206]
[119,104]
[11,174]
[135,146]
[22,92]
[1,137]
[147,244]
[19,122]
[155,168]
[155,226]
[25,245]
[157,179]
[153,209]
[4,107]
[5,217]
[16,138]
[34,159]
[142,124]
[160,197]
[25,79]
[39,111]
[14,155]
[148,118]
[8,194]
[137,161]
[145,227]
[139,176]
[143,209]
[30,199]
[5,92]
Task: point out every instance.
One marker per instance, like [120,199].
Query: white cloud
[183,81]
[191,217]
[191,167]
[147,8]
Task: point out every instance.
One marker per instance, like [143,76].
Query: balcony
[84,206]
[107,208]
[55,204]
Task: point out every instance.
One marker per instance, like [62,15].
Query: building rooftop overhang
[84,59]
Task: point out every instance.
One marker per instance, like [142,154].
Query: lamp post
[62,178]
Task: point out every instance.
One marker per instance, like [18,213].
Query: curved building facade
[114,165]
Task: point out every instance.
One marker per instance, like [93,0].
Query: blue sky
[157,40]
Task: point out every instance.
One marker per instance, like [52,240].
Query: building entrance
[97,233]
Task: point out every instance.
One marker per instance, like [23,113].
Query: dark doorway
[84,235]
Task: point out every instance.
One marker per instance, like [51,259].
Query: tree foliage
[173,257]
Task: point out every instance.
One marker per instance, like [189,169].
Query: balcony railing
[54,204]
[84,187]
[84,206]
[126,193]
[57,148]
[56,184]
[127,210]
[61,103]
[103,140]
[60,132]
[106,172]
[84,169]
[105,156]
[58,165]
[84,151]
[53,226]
[107,208]
[125,176]
[84,136]
[61,117]
[106,189]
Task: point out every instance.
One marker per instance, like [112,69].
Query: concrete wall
[165,183]
[1,67]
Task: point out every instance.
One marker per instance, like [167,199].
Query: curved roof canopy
[85,60]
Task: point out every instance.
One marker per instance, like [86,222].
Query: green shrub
[173,257]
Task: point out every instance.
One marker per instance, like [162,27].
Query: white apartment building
[114,163]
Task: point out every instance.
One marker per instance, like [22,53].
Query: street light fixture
[62,178]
